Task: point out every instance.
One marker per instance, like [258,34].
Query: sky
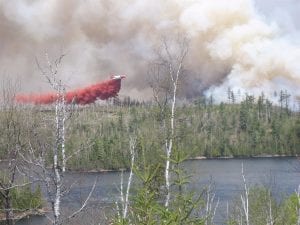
[284,12]
[242,45]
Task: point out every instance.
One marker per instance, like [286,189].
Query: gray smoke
[232,45]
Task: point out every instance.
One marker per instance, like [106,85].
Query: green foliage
[23,198]
[147,206]
[261,200]
[289,210]
[264,209]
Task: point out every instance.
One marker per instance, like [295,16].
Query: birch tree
[210,205]
[166,74]
[54,179]
[245,198]
[123,212]
[298,208]
[58,149]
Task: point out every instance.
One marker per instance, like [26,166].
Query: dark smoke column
[103,90]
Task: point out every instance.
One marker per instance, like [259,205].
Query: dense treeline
[97,136]
[252,128]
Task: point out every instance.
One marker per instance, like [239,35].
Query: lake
[281,174]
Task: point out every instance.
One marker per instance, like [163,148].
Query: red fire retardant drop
[87,95]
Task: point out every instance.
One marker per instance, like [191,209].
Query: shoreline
[189,159]
[244,157]
[25,214]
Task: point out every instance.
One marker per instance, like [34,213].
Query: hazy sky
[284,12]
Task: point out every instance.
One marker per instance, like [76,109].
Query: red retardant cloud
[103,90]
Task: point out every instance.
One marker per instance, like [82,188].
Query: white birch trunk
[63,112]
[59,167]
[56,204]
[59,153]
[298,194]
[121,192]
[170,64]
[56,207]
[210,210]
[245,198]
[132,152]
[271,219]
[169,143]
[167,176]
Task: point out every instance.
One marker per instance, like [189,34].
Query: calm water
[282,175]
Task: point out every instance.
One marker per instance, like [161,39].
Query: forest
[251,128]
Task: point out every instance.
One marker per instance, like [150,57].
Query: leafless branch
[85,202]
[15,186]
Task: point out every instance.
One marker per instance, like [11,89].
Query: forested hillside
[97,136]
[254,127]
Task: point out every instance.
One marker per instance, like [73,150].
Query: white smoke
[232,45]
[258,57]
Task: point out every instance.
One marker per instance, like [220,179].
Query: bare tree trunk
[56,205]
[167,176]
[60,117]
[169,143]
[298,209]
[122,213]
[9,215]
[271,218]
[210,210]
[132,153]
[62,128]
[245,198]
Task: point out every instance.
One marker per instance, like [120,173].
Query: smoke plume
[87,95]
[232,45]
